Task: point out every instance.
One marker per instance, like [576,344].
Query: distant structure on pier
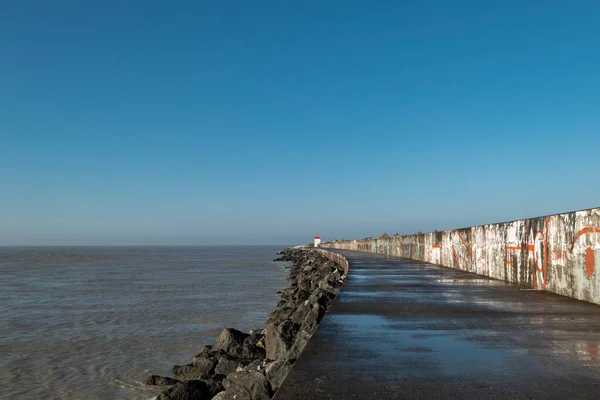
[317,241]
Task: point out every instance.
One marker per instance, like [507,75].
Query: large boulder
[280,338]
[307,329]
[215,384]
[202,353]
[245,385]
[231,341]
[187,390]
[180,371]
[321,297]
[289,292]
[255,365]
[202,366]
[304,286]
[251,348]
[283,311]
[326,284]
[227,364]
[276,371]
[301,296]
[300,313]
[254,338]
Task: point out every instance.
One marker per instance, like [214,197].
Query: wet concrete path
[403,329]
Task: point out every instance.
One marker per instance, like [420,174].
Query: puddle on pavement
[431,296]
[364,277]
[395,293]
[484,282]
[373,339]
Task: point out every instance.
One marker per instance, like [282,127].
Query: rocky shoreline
[252,366]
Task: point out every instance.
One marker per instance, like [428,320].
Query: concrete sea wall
[557,253]
[335,257]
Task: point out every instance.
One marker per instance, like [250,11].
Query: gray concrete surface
[403,329]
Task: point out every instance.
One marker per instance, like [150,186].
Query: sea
[95,322]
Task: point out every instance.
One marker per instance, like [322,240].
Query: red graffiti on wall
[558,255]
[455,256]
[590,259]
[465,244]
[539,247]
[512,248]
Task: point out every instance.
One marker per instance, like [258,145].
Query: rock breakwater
[253,365]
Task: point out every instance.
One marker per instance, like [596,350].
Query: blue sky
[267,122]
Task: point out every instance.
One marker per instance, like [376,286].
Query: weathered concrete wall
[558,253]
[338,258]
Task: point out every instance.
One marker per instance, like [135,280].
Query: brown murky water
[95,322]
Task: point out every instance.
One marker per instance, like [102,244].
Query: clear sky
[251,122]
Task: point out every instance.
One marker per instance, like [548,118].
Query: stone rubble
[252,366]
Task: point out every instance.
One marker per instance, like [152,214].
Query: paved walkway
[403,329]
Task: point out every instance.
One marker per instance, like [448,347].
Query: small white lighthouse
[317,241]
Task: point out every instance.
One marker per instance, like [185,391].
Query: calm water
[95,322]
